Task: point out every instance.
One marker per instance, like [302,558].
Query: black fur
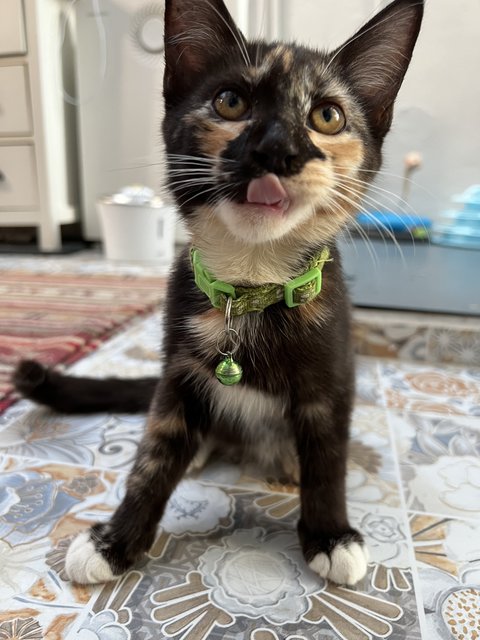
[299,360]
[67,394]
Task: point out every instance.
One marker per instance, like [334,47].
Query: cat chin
[257,224]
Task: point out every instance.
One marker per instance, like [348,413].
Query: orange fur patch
[287,60]
[313,176]
[214,137]
[279,54]
[343,151]
[168,425]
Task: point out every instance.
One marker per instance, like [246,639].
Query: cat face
[274,141]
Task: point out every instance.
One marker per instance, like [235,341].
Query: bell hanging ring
[228,371]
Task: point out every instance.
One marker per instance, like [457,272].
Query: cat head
[277,142]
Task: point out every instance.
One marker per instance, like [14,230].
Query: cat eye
[230,105]
[328,118]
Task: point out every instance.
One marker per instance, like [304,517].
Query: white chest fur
[256,418]
[245,404]
[258,421]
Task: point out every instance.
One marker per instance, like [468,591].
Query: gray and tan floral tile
[439,463]
[226,563]
[418,337]
[431,389]
[368,381]
[447,553]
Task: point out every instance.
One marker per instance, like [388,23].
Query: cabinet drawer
[18,179]
[15,116]
[12,30]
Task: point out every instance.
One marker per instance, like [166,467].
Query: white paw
[347,563]
[83,564]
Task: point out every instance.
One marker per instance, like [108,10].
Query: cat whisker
[367,241]
[180,187]
[216,188]
[332,206]
[192,180]
[180,160]
[185,173]
[201,162]
[204,158]
[360,192]
[176,164]
[224,193]
[396,201]
[362,233]
[335,207]
[187,167]
[343,233]
[402,178]
[402,216]
[380,226]
[377,224]
[394,198]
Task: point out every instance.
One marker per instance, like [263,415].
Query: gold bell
[229,372]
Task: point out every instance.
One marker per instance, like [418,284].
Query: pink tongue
[266,190]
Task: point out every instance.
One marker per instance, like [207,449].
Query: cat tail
[69,394]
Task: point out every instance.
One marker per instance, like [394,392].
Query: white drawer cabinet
[37,164]
[12,28]
[15,117]
[18,179]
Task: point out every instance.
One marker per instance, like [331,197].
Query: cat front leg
[332,548]
[171,440]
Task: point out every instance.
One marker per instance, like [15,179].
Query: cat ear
[197,32]
[376,58]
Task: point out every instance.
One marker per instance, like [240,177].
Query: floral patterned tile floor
[226,563]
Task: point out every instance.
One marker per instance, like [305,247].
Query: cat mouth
[267,195]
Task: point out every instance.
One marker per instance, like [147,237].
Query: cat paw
[84,564]
[345,563]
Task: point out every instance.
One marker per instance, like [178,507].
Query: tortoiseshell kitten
[270,147]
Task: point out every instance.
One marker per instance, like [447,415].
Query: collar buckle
[303,288]
[216,290]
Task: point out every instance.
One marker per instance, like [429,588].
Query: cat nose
[276,153]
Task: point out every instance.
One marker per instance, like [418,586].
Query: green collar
[298,291]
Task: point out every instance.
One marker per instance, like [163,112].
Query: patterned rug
[59,318]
